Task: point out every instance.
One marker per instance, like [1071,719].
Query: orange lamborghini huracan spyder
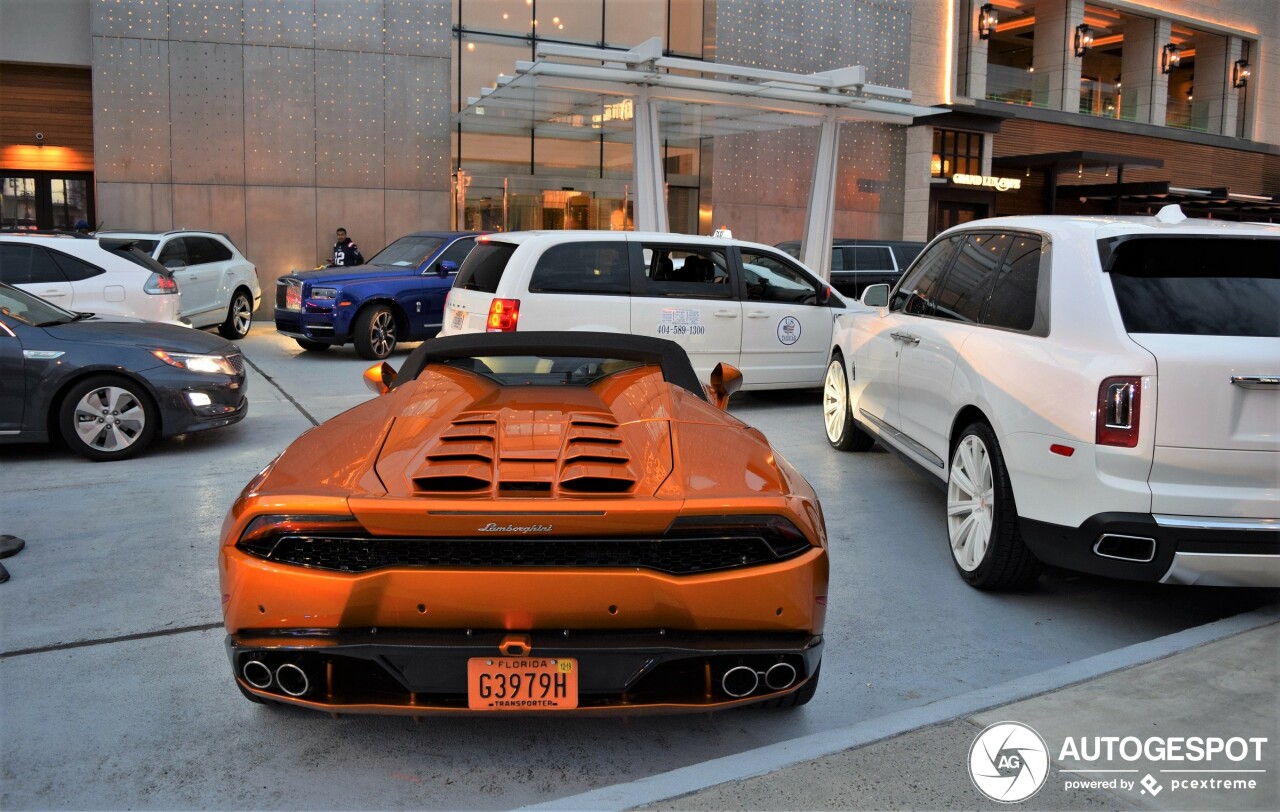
[529,522]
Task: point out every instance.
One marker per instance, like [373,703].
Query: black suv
[856,263]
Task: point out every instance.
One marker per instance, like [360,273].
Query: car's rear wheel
[843,432]
[375,332]
[982,518]
[108,417]
[239,316]
[312,346]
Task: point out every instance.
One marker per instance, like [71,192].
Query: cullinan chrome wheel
[970,502]
[375,332]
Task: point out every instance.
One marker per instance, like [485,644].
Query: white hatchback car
[220,287]
[721,299]
[1101,394]
[88,275]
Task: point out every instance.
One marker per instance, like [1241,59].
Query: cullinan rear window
[1196,285]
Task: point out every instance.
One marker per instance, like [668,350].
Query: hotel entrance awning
[641,97]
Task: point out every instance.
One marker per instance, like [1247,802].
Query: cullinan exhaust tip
[257,674]
[780,676]
[739,681]
[292,679]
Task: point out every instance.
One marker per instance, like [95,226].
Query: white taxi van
[721,299]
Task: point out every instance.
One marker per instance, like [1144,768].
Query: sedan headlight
[197,363]
[324,293]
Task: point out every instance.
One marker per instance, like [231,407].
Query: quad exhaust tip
[780,676]
[257,674]
[292,679]
[739,681]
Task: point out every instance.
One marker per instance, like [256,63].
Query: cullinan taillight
[503,315]
[1119,410]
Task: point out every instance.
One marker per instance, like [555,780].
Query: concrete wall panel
[349,25]
[415,211]
[50,32]
[220,21]
[131,110]
[207,96]
[135,19]
[417,123]
[279,110]
[418,27]
[211,208]
[135,206]
[359,211]
[281,22]
[280,229]
[349,90]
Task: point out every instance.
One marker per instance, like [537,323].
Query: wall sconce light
[1119,83]
[1170,57]
[1083,38]
[1240,73]
[1191,92]
[987,20]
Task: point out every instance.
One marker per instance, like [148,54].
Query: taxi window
[686,272]
[769,279]
[583,267]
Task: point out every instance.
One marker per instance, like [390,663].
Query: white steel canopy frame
[567,92]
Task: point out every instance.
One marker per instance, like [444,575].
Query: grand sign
[999,184]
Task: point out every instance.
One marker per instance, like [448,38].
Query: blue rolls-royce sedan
[396,296]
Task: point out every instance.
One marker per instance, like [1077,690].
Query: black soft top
[669,355]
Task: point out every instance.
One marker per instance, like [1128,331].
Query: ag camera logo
[1008,762]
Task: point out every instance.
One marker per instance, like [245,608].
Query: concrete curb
[762,760]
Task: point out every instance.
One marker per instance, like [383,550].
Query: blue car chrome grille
[289,294]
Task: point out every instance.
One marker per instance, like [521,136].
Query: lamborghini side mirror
[380,378]
[725,380]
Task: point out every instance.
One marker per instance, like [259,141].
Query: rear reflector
[1119,411]
[1064,450]
[503,315]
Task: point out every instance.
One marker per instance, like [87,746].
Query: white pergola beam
[815,245]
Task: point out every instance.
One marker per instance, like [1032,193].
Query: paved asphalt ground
[117,692]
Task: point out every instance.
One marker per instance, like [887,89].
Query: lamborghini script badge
[515,528]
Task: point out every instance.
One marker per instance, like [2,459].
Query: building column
[1230,116]
[1213,81]
[971,55]
[1144,90]
[651,203]
[918,183]
[1057,69]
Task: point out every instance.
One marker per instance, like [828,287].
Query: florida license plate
[459,316]
[522,683]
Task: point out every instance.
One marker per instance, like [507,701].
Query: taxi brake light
[503,315]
